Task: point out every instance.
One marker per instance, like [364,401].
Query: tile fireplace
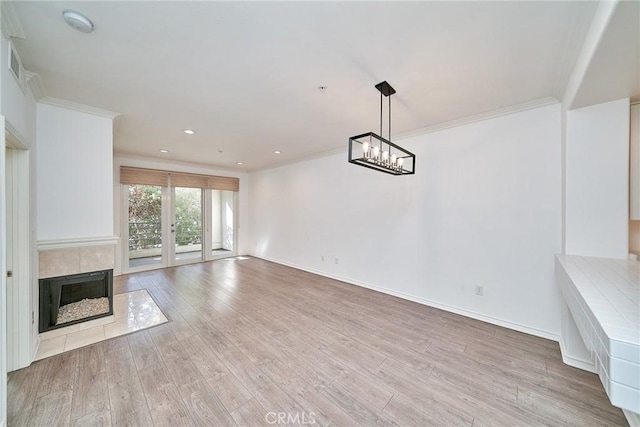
[70,299]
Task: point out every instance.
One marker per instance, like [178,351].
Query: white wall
[141,162]
[75,174]
[597,165]
[484,208]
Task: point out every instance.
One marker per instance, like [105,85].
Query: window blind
[131,175]
[223,183]
[188,180]
[143,176]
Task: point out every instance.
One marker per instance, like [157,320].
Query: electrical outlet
[336,260]
[480,290]
[322,258]
[33,317]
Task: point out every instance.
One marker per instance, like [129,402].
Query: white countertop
[603,296]
[611,288]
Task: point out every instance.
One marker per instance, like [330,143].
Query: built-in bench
[603,296]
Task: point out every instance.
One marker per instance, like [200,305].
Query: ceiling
[245,75]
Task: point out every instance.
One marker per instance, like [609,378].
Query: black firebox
[56,292]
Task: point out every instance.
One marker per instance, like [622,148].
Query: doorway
[221,228]
[169,226]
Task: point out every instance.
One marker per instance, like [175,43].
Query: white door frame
[22,319]
[3,293]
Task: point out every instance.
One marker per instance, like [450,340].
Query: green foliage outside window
[145,217]
[188,216]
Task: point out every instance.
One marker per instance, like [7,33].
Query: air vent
[15,66]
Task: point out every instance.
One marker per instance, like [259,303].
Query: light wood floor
[250,340]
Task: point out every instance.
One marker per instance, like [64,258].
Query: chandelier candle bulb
[400,162]
[385,157]
[393,160]
[366,148]
[376,153]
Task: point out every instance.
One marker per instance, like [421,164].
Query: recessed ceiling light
[189,131]
[239,163]
[77,21]
[277,152]
[322,88]
[164,151]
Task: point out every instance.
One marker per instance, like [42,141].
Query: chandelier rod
[380,116]
[389,126]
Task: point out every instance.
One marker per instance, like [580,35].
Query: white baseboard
[35,349]
[576,362]
[467,313]
[632,418]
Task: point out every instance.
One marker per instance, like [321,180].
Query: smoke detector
[77,21]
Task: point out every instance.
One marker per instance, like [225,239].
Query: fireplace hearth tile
[97,322]
[54,333]
[133,311]
[77,327]
[120,328]
[84,337]
[51,347]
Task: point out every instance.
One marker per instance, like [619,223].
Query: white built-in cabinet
[634,166]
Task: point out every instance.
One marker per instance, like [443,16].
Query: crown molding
[69,105]
[571,52]
[10,22]
[13,137]
[598,26]
[34,81]
[542,102]
[116,124]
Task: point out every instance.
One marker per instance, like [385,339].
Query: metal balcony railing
[148,235]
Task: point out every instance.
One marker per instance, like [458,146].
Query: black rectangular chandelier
[375,152]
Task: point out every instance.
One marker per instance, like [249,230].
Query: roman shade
[131,175]
[143,176]
[188,180]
